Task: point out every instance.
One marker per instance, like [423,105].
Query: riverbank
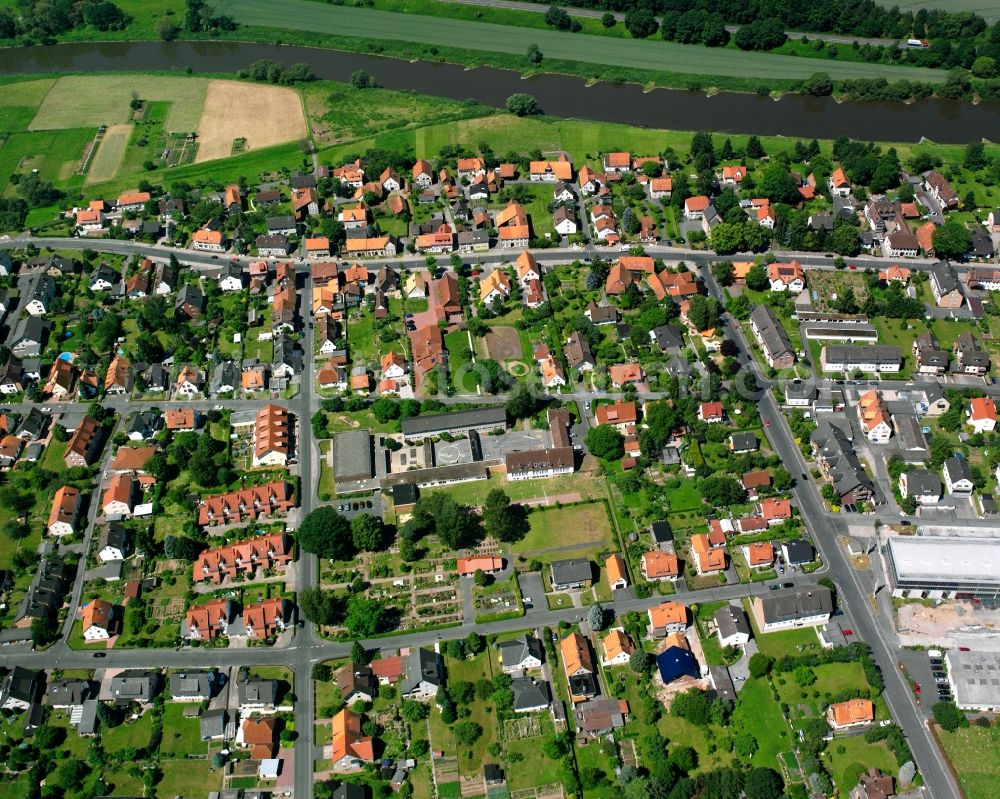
[566,96]
[649,62]
[345,122]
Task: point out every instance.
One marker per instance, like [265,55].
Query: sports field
[648,54]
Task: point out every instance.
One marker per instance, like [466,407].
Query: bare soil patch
[504,344]
[261,115]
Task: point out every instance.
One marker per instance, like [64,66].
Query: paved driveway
[532,588]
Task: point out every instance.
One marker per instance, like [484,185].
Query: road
[825,528]
[554,255]
[307,648]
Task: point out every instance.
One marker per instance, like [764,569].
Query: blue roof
[677,662]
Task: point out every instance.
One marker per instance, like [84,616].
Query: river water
[942,121]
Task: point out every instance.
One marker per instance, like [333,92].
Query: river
[938,120]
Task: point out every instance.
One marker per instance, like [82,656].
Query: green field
[975,755]
[647,54]
[831,679]
[583,524]
[79,101]
[54,153]
[988,9]
[760,715]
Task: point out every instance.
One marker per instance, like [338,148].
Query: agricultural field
[650,54]
[262,115]
[53,125]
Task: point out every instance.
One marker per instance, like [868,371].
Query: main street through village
[307,648]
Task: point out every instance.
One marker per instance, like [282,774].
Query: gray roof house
[798,552]
[28,337]
[212,724]
[134,685]
[732,624]
[923,485]
[571,573]
[524,652]
[530,696]
[257,694]
[19,689]
[424,674]
[68,693]
[191,686]
[225,378]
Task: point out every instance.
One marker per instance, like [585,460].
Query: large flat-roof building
[480,419]
[943,567]
[974,678]
[353,456]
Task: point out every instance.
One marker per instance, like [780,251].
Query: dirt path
[539,502]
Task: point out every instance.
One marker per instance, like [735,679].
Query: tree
[641,23]
[951,240]
[467,733]
[804,676]
[761,34]
[639,661]
[819,84]
[359,655]
[948,716]
[763,783]
[364,616]
[596,617]
[475,643]
[44,630]
[179,547]
[326,533]
[721,490]
[413,711]
[502,520]
[722,271]
[778,185]
[523,105]
[360,79]
[608,20]
[693,706]
[757,279]
[703,312]
[534,54]
[760,664]
[166,29]
[685,758]
[319,606]
[385,410]
[367,532]
[105,16]
[605,442]
[557,18]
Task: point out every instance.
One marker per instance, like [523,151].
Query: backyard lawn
[758,713]
[849,757]
[831,679]
[474,493]
[181,734]
[683,733]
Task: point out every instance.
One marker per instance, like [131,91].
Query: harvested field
[108,158]
[504,344]
[78,101]
[262,115]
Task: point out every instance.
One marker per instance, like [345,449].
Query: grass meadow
[646,54]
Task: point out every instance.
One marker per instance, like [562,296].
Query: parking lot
[355,507]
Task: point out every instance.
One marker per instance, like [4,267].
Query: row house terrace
[248,503]
[244,557]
